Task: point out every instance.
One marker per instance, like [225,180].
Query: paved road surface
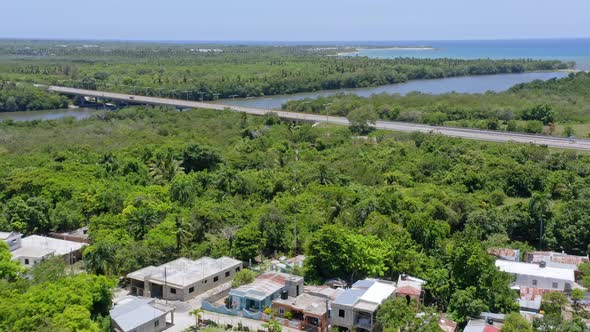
[474,134]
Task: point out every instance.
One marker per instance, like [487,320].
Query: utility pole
[541,235]
[165,286]
[295,214]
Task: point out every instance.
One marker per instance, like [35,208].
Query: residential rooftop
[265,285]
[366,294]
[407,285]
[41,246]
[505,253]
[531,269]
[6,235]
[324,291]
[133,312]
[480,325]
[556,259]
[306,303]
[183,271]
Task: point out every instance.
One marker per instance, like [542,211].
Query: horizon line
[235,41]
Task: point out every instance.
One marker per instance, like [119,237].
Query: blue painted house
[258,295]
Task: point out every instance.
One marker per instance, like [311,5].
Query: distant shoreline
[389,48]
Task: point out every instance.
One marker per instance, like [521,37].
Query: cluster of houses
[284,297]
[272,295]
[313,308]
[534,274]
[281,295]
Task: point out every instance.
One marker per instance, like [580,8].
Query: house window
[192,289]
[341,313]
[534,282]
[26,261]
[215,279]
[297,290]
[157,323]
[554,285]
[238,269]
[172,290]
[281,311]
[227,274]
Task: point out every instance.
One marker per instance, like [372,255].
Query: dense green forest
[209,72]
[22,97]
[556,106]
[154,184]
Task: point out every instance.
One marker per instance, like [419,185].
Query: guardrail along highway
[474,134]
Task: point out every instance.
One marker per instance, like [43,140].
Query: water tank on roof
[284,295]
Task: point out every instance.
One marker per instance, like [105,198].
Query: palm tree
[100,258]
[197,313]
[165,167]
[272,325]
[182,232]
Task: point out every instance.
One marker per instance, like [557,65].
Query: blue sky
[294,20]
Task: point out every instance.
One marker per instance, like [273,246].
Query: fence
[222,309]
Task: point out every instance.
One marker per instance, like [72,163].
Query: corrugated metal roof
[264,285]
[349,297]
[368,290]
[535,270]
[132,312]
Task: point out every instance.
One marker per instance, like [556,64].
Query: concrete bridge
[473,134]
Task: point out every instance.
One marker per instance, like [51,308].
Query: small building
[33,249]
[259,294]
[410,288]
[311,310]
[78,235]
[555,259]
[12,239]
[480,325]
[287,265]
[505,254]
[324,291]
[138,314]
[356,308]
[184,278]
[486,322]
[446,324]
[539,275]
[530,298]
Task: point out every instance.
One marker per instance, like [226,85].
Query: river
[467,84]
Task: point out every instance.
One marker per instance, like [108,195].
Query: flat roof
[31,252]
[61,247]
[183,271]
[6,235]
[324,291]
[132,312]
[41,246]
[306,303]
[531,269]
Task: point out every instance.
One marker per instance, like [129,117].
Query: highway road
[473,134]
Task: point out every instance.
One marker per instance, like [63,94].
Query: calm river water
[469,84]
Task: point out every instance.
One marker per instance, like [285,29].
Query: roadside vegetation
[554,107]
[154,184]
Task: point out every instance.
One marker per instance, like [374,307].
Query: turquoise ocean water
[577,50]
